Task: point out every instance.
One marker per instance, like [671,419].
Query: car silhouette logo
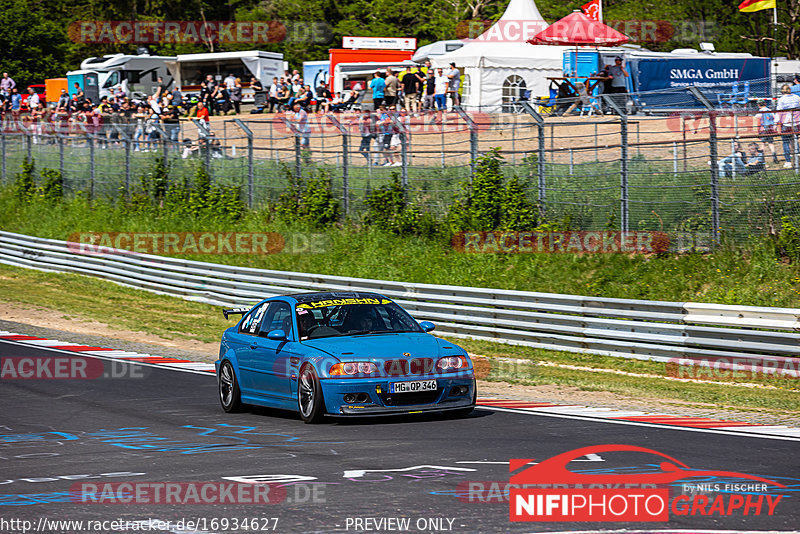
[553,470]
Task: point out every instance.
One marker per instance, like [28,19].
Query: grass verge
[86,298]
[738,276]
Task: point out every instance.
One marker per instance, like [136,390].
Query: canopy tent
[499,65]
[577,29]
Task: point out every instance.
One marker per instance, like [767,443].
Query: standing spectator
[378,86]
[430,89]
[766,128]
[387,130]
[454,84]
[390,92]
[79,92]
[259,96]
[788,119]
[33,99]
[139,117]
[411,82]
[236,95]
[16,105]
[618,74]
[230,81]
[397,144]
[211,95]
[177,98]
[151,129]
[7,84]
[273,94]
[366,127]
[296,76]
[172,123]
[161,88]
[300,120]
[441,84]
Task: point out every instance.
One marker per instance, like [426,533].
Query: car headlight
[353,369]
[450,364]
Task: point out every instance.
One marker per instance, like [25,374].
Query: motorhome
[137,76]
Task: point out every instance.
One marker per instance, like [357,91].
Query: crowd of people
[421,88]
[782,122]
[396,97]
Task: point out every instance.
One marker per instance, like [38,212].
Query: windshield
[352,317]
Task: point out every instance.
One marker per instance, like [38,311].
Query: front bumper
[379,402]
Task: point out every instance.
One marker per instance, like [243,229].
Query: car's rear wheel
[309,396]
[229,395]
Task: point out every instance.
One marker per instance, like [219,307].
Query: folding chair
[727,98]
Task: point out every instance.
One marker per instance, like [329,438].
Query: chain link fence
[621,172]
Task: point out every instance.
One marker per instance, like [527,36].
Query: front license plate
[412,387]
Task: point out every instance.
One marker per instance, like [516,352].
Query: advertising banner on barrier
[671,76]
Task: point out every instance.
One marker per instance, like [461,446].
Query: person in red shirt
[202,114]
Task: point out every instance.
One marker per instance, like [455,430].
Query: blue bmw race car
[341,353]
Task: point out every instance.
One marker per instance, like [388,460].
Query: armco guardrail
[664,331]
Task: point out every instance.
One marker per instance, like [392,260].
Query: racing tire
[230,397]
[309,396]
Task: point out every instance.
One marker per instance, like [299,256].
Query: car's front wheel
[229,394]
[309,396]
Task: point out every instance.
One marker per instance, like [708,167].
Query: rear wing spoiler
[235,311]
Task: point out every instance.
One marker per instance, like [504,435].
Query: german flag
[756,5]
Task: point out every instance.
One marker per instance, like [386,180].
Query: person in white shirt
[440,86]
[33,99]
[230,81]
[300,120]
[788,120]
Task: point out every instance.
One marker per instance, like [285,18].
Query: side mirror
[277,335]
[427,326]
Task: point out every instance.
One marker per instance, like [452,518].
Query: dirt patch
[44,318]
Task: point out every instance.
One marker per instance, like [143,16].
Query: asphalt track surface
[160,425]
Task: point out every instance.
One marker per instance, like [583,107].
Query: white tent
[499,64]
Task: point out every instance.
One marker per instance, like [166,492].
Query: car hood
[379,346]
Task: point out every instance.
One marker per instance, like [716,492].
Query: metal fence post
[90,141]
[345,162]
[712,140]
[60,139]
[714,155]
[621,111]
[540,164]
[202,136]
[250,170]
[473,141]
[3,140]
[29,145]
